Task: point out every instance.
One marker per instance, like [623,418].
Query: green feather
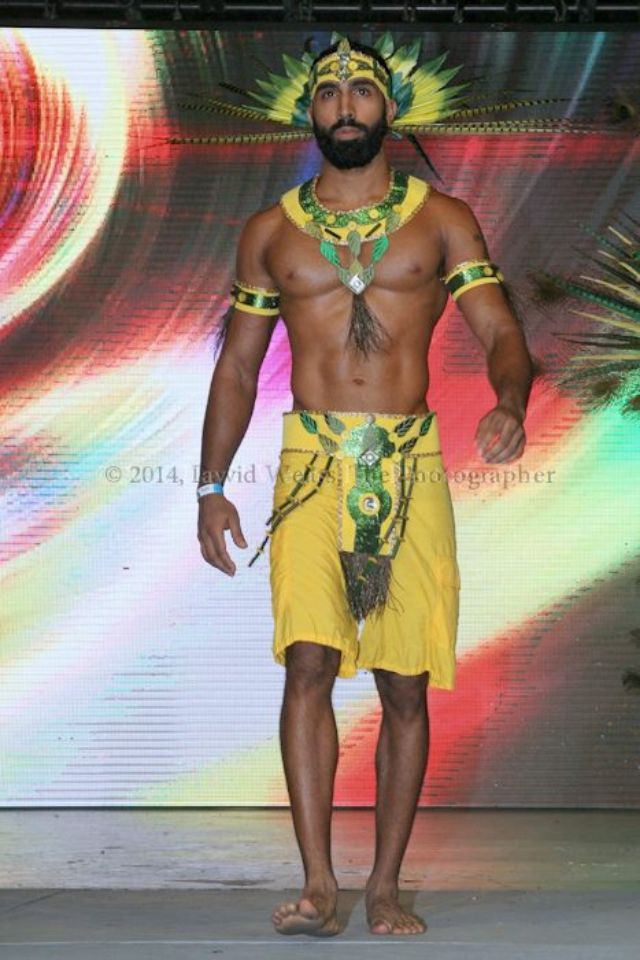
[385,45]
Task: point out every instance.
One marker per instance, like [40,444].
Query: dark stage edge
[234,925]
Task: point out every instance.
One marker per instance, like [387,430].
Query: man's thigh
[416,631]
[307,586]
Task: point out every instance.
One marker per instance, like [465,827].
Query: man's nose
[345,104]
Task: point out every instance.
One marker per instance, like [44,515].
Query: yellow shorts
[318,492]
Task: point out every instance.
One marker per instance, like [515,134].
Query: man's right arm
[232,395]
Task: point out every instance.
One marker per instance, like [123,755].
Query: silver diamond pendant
[356,284]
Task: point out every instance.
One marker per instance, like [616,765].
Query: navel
[358,380]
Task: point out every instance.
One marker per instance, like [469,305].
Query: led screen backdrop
[134,674]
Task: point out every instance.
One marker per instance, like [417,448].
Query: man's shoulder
[274,214]
[261,225]
[450,213]
[265,218]
[446,204]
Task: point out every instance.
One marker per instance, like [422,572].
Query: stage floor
[186,884]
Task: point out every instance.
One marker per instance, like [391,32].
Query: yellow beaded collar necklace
[373,223]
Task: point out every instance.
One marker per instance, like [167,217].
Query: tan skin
[408,297]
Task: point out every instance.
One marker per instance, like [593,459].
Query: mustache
[348,122]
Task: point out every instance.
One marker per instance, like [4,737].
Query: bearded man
[359,263]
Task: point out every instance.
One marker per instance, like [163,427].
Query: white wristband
[208,488]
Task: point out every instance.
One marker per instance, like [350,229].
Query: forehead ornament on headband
[347,64]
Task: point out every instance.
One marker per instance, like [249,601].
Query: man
[362,526]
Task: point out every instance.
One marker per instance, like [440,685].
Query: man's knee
[311,666]
[403,697]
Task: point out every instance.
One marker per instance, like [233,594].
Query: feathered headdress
[608,371]
[426,101]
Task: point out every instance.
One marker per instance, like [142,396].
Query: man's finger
[493,425]
[500,452]
[236,532]
[488,436]
[218,551]
[514,451]
[493,453]
[508,449]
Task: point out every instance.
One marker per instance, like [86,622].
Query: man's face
[350,121]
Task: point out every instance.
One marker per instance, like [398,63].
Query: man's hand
[217,514]
[500,435]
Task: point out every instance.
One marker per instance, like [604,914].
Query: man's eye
[364,90]
[326,93]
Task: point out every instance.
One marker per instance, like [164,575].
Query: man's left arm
[479,294]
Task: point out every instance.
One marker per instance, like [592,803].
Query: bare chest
[411,261]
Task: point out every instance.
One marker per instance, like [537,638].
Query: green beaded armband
[472,273]
[258,300]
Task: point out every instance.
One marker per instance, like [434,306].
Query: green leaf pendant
[308,422]
[380,247]
[329,252]
[356,276]
[354,242]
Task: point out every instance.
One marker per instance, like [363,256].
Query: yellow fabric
[259,311]
[250,288]
[474,283]
[416,631]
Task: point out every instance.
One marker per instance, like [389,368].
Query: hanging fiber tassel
[367,580]
[292,501]
[222,330]
[366,333]
[415,143]
[367,576]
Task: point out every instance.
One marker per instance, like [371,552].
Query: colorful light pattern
[134,674]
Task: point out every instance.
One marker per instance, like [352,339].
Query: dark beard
[347,154]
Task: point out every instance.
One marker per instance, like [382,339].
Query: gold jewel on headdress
[348,64]
[469,274]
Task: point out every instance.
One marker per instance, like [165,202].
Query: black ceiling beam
[210,13]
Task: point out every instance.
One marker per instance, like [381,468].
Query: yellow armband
[258,300]
[469,274]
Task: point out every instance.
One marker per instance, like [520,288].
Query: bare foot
[386,916]
[313,914]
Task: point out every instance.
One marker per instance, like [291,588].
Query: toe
[307,909]
[283,910]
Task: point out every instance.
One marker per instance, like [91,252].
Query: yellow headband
[347,64]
